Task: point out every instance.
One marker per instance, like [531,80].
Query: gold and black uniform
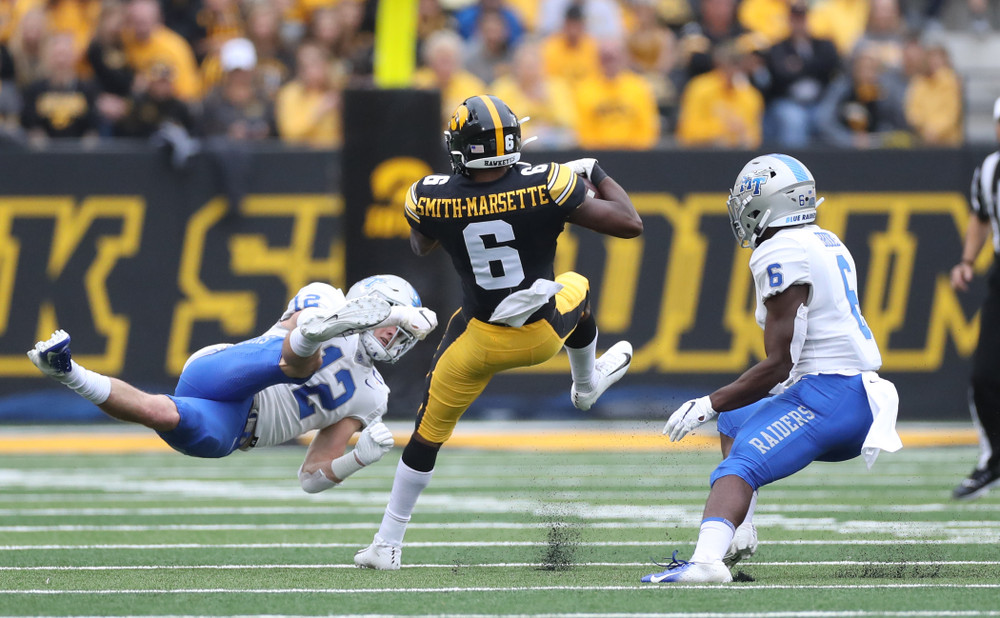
[501,237]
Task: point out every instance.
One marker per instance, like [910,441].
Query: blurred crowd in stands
[598,74]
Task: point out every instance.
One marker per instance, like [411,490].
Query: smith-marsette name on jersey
[491,204]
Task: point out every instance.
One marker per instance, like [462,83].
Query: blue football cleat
[53,357]
[691,572]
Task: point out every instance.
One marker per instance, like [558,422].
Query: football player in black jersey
[499,218]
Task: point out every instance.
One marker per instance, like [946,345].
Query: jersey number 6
[498,266]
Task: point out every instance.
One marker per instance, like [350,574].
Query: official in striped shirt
[984,396]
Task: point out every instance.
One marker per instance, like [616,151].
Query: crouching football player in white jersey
[821,361]
[312,370]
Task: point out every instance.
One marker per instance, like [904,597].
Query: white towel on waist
[884,402]
[518,306]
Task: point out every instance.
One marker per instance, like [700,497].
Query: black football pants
[986,367]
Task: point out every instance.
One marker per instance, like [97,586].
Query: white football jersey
[347,385]
[837,338]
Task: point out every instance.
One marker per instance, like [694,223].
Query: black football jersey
[501,235]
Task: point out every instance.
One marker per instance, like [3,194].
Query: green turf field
[496,533]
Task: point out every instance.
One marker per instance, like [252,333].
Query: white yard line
[326,510]
[497,565]
[674,495]
[785,614]
[454,589]
[970,540]
[910,528]
[112,480]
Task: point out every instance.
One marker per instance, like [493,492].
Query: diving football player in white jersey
[821,361]
[312,370]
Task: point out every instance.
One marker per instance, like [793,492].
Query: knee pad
[419,456]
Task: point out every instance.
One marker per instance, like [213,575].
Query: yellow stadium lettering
[886,300]
[71,226]
[689,291]
[235,311]
[390,181]
[251,256]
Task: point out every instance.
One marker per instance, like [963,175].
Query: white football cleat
[52,356]
[743,546]
[608,369]
[379,555]
[356,315]
[682,571]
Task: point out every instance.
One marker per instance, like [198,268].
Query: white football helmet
[774,190]
[397,291]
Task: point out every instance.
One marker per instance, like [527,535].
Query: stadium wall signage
[145,264]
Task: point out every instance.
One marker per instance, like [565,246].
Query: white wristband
[300,345]
[90,385]
[344,466]
[315,482]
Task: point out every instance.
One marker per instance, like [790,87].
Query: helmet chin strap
[758,231]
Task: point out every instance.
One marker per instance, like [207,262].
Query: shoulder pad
[560,182]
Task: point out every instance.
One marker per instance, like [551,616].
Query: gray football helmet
[773,190]
[397,291]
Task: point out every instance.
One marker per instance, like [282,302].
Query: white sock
[713,540]
[302,346]
[406,488]
[581,365]
[753,505]
[89,384]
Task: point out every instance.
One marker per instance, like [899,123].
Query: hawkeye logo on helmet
[752,183]
[498,162]
[459,118]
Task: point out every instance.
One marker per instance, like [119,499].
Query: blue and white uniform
[825,409]
[236,396]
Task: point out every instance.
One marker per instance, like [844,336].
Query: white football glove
[584,167]
[690,415]
[374,442]
[418,321]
